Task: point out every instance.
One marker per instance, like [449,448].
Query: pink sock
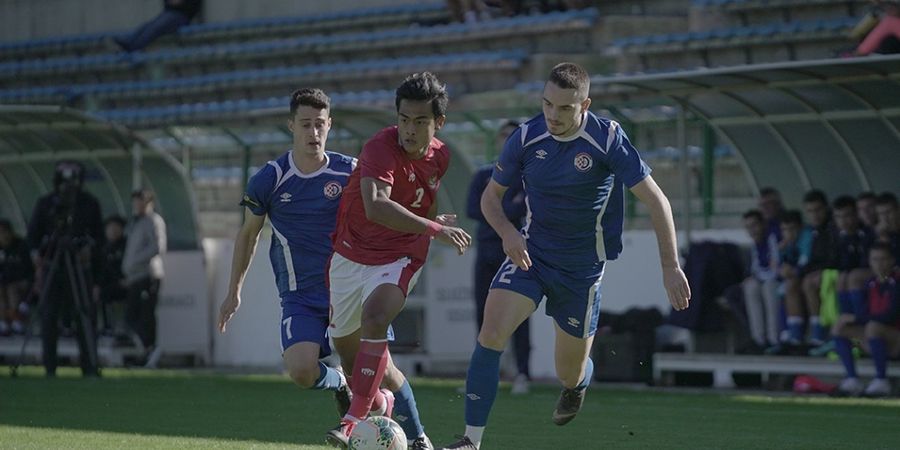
[368,371]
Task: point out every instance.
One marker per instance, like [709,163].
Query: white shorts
[351,284]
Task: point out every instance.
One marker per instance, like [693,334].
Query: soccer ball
[377,433]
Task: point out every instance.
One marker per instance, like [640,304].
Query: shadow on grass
[261,408]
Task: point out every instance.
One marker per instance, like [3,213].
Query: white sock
[474,435]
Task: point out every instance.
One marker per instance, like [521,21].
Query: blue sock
[845,351]
[795,328]
[816,329]
[879,357]
[857,299]
[329,379]
[588,375]
[481,385]
[406,413]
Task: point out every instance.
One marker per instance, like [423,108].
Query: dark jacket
[50,218]
[15,262]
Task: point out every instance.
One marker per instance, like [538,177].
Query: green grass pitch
[179,409]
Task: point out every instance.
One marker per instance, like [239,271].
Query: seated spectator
[865,209]
[467,11]
[772,208]
[761,287]
[15,274]
[822,246]
[885,37]
[852,261]
[888,227]
[175,14]
[110,289]
[875,322]
[793,253]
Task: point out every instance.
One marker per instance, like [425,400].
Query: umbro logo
[473,397]
[574,322]
[541,154]
[286,197]
[385,275]
[367,372]
[400,418]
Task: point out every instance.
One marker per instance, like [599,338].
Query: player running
[384,228]
[575,167]
[300,193]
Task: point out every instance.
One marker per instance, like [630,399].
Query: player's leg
[772,303]
[883,341]
[522,347]
[753,304]
[794,305]
[845,330]
[575,369]
[812,284]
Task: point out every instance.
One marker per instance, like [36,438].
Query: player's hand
[455,237]
[677,288]
[447,220]
[514,246]
[229,306]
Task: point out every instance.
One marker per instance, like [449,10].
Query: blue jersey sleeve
[259,190]
[624,160]
[508,169]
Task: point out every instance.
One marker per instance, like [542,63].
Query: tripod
[64,257]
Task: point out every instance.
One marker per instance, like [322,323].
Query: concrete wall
[31,19]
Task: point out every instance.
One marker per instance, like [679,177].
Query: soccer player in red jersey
[386,220]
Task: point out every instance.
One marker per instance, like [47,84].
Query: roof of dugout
[828,124]
[33,138]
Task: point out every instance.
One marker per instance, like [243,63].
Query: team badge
[333,190]
[541,154]
[433,182]
[412,177]
[583,162]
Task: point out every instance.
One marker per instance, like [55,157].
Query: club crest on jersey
[583,162]
[433,182]
[412,177]
[541,154]
[286,197]
[333,190]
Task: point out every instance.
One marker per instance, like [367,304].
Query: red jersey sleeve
[377,160]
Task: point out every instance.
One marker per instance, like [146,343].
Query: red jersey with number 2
[414,184]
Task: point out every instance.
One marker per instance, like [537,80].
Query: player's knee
[304,376]
[492,338]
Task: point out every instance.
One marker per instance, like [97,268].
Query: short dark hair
[844,202]
[424,87]
[753,214]
[882,246]
[116,219]
[886,198]
[792,216]
[866,195]
[313,97]
[815,196]
[144,194]
[768,190]
[569,75]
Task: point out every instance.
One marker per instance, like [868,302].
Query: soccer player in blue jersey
[575,167]
[300,193]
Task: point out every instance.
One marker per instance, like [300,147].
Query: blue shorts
[301,322]
[573,299]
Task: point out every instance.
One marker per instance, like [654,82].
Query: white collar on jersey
[581,133]
[296,171]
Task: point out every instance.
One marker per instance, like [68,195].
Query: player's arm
[677,289]
[244,248]
[513,241]
[386,212]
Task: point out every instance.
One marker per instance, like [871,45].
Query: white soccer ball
[377,433]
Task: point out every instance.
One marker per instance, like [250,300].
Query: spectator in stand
[175,14]
[761,287]
[885,37]
[888,227]
[770,206]
[865,209]
[852,259]
[110,289]
[821,256]
[875,322]
[467,11]
[15,274]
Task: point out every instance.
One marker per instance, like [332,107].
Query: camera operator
[66,222]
